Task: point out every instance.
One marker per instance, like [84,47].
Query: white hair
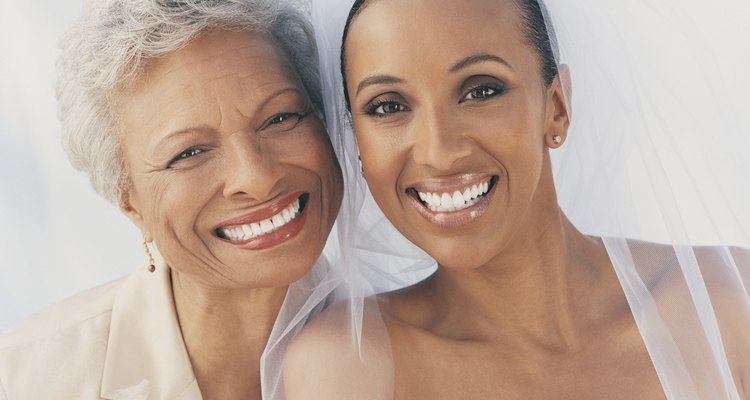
[106,49]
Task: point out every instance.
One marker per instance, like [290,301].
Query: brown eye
[388,108]
[285,118]
[385,108]
[480,93]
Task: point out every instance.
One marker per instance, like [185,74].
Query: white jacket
[118,341]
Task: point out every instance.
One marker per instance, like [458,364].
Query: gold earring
[151,266]
[557,139]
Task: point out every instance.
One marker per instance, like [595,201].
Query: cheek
[384,162]
[174,200]
[312,152]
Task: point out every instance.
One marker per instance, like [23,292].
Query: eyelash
[283,117]
[189,153]
[372,108]
[495,91]
[196,151]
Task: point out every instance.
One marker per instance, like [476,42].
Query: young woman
[456,108]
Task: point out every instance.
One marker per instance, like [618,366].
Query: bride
[457,109]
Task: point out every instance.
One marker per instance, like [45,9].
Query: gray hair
[106,49]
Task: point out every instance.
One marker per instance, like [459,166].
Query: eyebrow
[377,80]
[209,129]
[476,59]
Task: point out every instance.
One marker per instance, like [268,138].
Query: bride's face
[453,121]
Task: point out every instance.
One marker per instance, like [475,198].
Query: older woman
[457,110]
[201,120]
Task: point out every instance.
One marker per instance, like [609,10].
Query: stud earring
[151,266]
[557,139]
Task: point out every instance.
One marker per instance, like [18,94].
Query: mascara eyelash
[370,110]
[497,88]
[372,106]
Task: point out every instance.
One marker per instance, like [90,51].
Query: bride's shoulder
[342,352]
[667,264]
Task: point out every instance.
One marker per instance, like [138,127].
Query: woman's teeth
[456,201]
[255,229]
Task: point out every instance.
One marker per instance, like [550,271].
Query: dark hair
[537,36]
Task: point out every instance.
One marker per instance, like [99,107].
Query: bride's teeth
[447,202]
[458,199]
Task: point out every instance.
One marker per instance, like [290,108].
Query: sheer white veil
[656,153]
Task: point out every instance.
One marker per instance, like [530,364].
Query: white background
[57,236]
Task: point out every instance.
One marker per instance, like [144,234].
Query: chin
[275,275]
[454,253]
[458,263]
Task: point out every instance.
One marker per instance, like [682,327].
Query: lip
[454,219]
[450,185]
[276,237]
[264,213]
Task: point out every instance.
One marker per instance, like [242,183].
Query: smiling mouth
[258,229]
[458,200]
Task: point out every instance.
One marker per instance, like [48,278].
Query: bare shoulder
[719,266]
[336,357]
[687,279]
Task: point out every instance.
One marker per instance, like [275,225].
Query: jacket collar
[146,356]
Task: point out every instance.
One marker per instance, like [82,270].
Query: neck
[225,332]
[537,294]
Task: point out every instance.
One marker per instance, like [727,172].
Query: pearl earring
[151,266]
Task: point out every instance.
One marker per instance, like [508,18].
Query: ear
[130,207]
[559,111]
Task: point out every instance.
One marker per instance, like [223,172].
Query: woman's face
[453,121]
[232,173]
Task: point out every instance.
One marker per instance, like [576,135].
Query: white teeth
[247,230]
[458,200]
[255,229]
[446,201]
[266,225]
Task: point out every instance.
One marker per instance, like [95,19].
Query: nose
[249,170]
[439,140]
